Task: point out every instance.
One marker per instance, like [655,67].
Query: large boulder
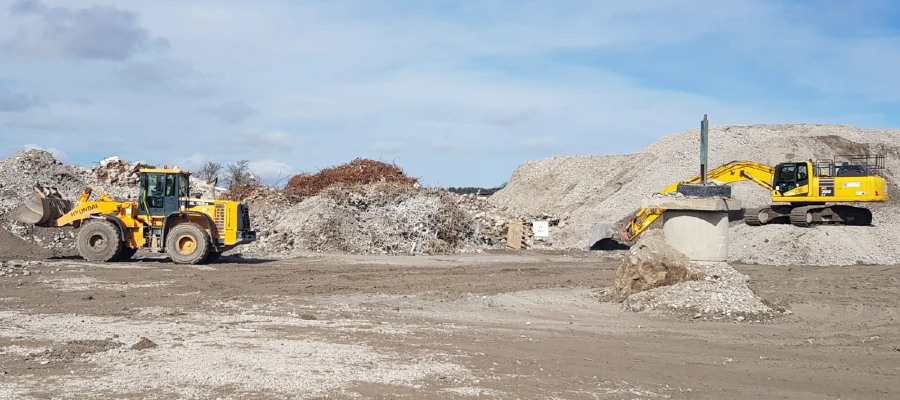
[651,263]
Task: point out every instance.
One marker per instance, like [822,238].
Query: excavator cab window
[790,176]
[158,194]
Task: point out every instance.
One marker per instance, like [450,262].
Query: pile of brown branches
[355,173]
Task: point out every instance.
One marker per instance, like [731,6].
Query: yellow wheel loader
[806,187]
[164,219]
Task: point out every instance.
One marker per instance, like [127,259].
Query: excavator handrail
[731,172]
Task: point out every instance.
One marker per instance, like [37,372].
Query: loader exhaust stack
[45,206]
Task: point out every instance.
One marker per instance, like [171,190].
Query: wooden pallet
[515,235]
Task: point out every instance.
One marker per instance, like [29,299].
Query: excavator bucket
[603,232]
[44,207]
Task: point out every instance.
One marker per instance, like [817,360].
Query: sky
[457,93]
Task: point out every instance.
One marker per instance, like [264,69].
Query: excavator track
[806,216]
[752,216]
[757,216]
[802,216]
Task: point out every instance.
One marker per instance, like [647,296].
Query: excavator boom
[734,171]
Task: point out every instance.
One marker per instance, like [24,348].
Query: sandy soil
[499,325]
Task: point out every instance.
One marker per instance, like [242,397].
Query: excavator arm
[734,171]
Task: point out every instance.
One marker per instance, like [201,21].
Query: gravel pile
[14,247]
[590,189]
[720,292]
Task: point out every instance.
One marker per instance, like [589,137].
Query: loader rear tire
[187,243]
[99,241]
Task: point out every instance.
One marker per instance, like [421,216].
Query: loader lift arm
[734,171]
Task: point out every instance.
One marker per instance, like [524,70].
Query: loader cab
[789,176]
[160,190]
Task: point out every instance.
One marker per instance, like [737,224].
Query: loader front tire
[99,241]
[187,243]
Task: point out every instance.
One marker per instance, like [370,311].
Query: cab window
[786,174]
[170,185]
[184,186]
[156,185]
[802,173]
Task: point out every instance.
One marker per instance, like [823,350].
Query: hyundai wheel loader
[803,189]
[164,219]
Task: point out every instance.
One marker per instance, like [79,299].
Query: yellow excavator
[807,187]
[165,219]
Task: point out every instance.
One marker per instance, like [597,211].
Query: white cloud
[58,154]
[191,163]
[271,171]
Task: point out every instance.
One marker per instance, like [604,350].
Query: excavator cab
[161,189]
[789,176]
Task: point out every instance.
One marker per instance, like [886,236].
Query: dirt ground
[495,325]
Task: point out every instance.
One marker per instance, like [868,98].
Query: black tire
[692,190]
[187,243]
[99,241]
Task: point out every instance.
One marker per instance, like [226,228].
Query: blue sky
[458,93]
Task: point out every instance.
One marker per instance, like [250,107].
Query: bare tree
[239,174]
[210,171]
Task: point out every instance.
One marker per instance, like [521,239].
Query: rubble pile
[491,224]
[115,171]
[380,218]
[357,172]
[655,277]
[720,292]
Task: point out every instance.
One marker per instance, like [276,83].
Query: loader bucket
[44,207]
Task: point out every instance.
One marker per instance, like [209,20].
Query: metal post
[704,143]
